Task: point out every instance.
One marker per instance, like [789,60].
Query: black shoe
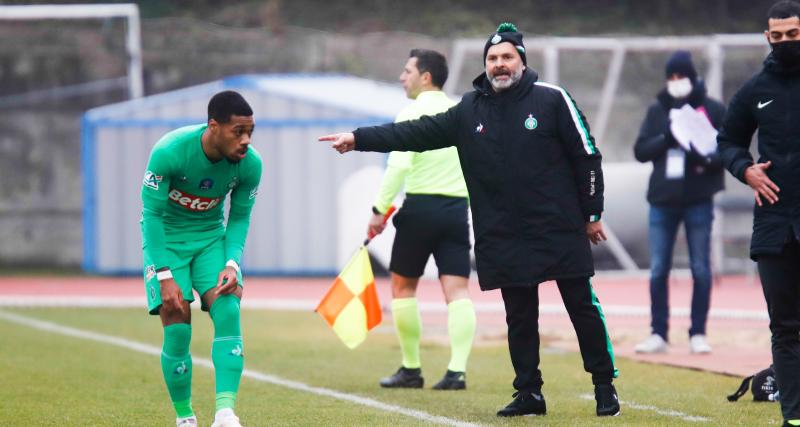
[607,400]
[452,381]
[404,378]
[524,403]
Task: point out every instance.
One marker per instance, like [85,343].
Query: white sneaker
[232,421]
[699,345]
[226,418]
[653,344]
[186,422]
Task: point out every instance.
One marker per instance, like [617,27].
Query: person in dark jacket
[769,102]
[681,189]
[536,189]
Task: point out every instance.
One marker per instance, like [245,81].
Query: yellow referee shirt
[430,172]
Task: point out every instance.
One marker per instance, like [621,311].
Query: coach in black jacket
[536,190]
[770,102]
[680,193]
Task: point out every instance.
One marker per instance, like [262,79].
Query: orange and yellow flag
[351,305]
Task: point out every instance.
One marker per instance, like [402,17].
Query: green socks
[176,365]
[408,325]
[227,352]
[225,399]
[461,328]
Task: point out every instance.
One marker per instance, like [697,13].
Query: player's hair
[226,104]
[432,62]
[784,9]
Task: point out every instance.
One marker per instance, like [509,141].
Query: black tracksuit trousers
[780,279]
[522,318]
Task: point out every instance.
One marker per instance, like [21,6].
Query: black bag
[764,388]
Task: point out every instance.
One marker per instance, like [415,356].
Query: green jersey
[429,172]
[183,194]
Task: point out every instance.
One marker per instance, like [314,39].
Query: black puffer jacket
[703,175]
[769,102]
[532,171]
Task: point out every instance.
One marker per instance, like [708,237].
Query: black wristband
[376,211]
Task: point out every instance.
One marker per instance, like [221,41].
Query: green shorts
[194,265]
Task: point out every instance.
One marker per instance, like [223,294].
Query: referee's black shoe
[607,400]
[404,378]
[524,403]
[452,380]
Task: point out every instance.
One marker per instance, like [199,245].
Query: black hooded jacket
[769,102]
[703,175]
[533,174]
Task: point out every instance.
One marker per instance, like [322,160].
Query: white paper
[692,128]
[680,131]
[676,160]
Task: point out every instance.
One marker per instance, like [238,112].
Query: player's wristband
[164,275]
[232,263]
[376,211]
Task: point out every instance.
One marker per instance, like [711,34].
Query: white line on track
[308,305]
[666,412]
[258,376]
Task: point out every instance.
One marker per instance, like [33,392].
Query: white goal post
[129,11]
[552,47]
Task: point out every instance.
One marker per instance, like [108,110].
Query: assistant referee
[432,220]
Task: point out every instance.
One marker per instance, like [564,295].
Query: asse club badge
[531,123]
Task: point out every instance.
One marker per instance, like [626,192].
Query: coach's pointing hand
[342,142]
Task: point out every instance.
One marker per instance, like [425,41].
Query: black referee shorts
[431,224]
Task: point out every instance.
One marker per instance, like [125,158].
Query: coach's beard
[500,85]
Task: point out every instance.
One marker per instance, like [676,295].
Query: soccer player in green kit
[186,246]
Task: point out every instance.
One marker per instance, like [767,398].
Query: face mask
[787,53]
[680,88]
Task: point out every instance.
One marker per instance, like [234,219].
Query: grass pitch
[50,379]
